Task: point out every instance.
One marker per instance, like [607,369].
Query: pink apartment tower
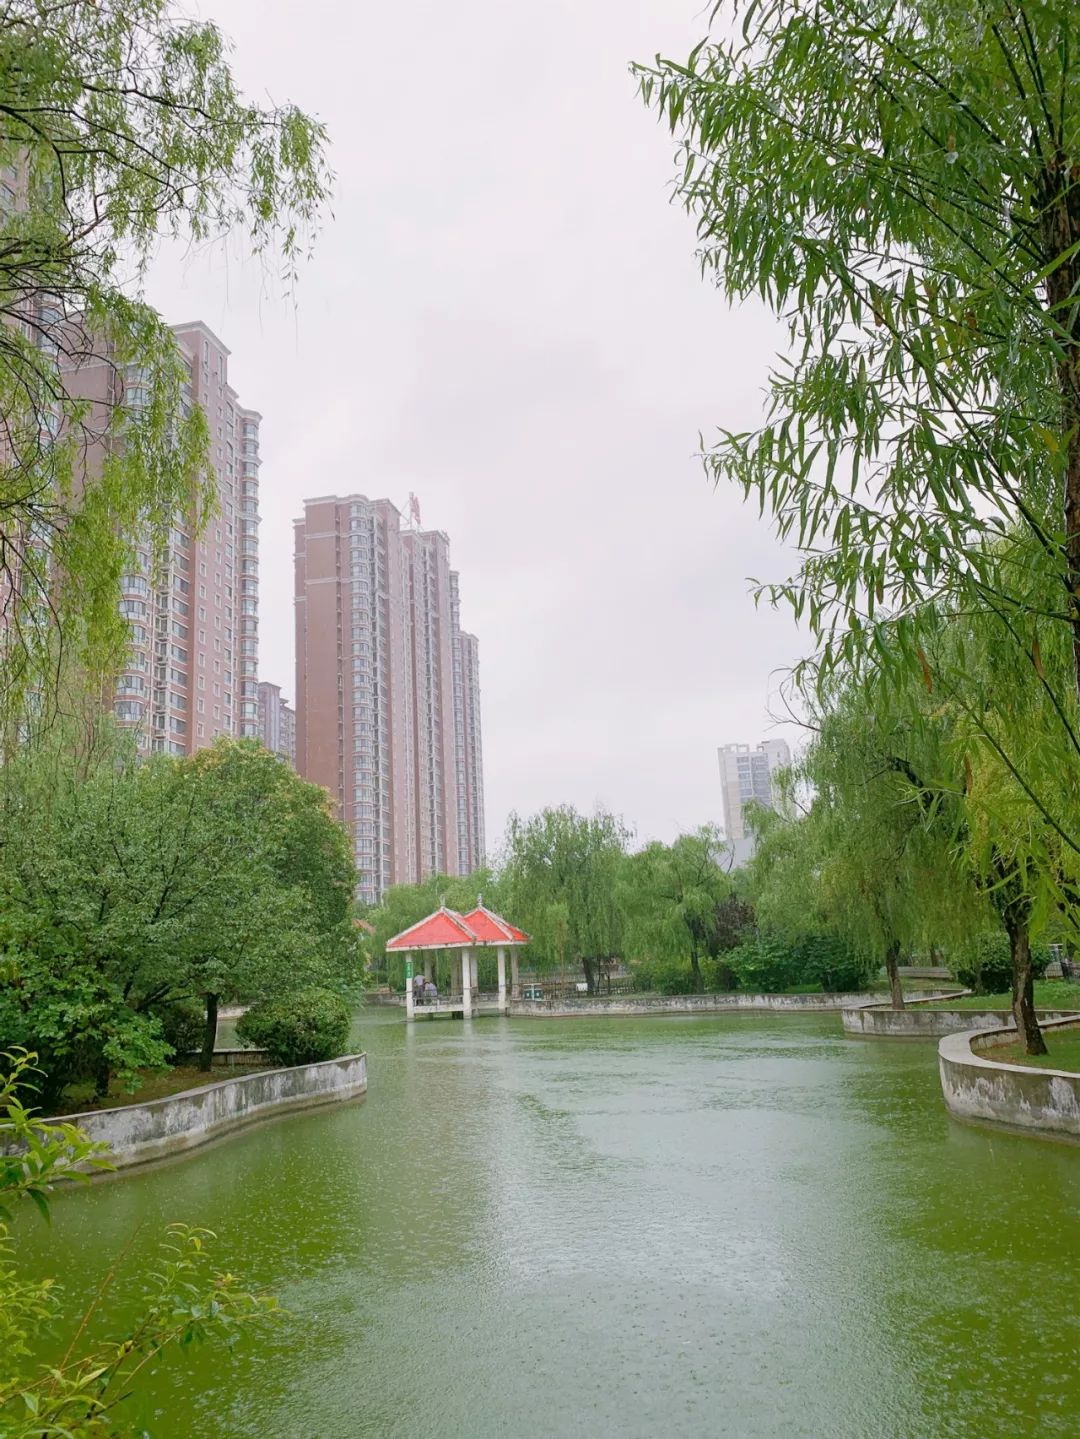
[192,665]
[387,691]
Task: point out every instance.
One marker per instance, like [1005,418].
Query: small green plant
[303,1028]
[78,1396]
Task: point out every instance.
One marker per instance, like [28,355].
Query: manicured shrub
[673,976]
[182,1025]
[302,1028]
[770,963]
[984,963]
[663,976]
[764,964]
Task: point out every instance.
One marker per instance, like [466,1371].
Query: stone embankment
[137,1133]
[642,1004]
[1016,1097]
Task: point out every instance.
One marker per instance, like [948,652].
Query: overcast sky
[505,316]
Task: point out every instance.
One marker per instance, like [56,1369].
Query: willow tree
[673,896]
[931,759]
[560,879]
[900,185]
[120,123]
[890,872]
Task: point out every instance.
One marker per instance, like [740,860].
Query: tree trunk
[206,1056]
[102,1076]
[892,969]
[1060,232]
[590,975]
[1072,539]
[1023,989]
[695,966]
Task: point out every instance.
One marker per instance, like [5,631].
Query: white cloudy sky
[505,316]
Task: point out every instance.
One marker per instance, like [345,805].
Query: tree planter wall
[1009,1096]
[137,1133]
[882,1022]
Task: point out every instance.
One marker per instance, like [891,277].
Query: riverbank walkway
[461,936]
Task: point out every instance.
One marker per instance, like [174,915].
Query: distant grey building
[277,722]
[749,775]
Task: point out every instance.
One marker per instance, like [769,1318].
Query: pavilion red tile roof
[492,928]
[446,929]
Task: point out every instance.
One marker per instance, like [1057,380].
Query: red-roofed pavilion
[462,935]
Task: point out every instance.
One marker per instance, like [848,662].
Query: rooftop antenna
[412,513]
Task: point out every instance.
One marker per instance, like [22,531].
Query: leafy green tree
[186,1299]
[290,925]
[122,123]
[560,877]
[672,895]
[130,887]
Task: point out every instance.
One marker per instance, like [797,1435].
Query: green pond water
[693,1226]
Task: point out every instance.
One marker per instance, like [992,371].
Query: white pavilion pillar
[515,977]
[501,958]
[468,979]
[410,999]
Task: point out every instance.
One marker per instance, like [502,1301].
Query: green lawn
[1049,994]
[1064,1048]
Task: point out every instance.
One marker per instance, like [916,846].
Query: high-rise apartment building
[191,671]
[277,722]
[750,775]
[468,747]
[387,691]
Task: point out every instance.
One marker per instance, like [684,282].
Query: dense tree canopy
[129,887]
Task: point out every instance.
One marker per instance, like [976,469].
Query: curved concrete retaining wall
[629,1004]
[140,1132]
[878,1022]
[226,1058]
[1011,1096]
